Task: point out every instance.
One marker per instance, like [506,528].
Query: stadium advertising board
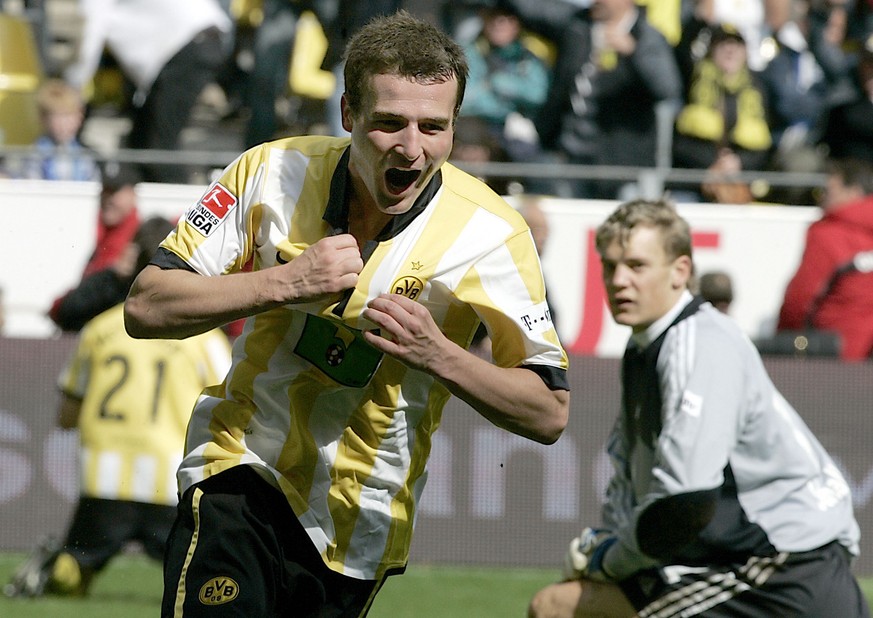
[492,498]
[759,246]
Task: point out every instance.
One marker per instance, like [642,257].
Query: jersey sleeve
[507,290]
[217,235]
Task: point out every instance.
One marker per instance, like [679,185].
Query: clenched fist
[324,269]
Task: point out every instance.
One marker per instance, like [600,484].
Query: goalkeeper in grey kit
[722,501]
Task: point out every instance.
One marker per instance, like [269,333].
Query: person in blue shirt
[58,154]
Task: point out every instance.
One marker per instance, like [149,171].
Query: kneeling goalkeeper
[722,502]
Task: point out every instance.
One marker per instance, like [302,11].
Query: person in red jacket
[829,291]
[108,273]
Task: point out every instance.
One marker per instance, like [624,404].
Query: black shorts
[100,529]
[237,549]
[813,584]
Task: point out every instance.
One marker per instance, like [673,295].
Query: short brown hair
[658,214]
[56,96]
[400,44]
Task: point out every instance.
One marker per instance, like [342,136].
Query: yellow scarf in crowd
[703,116]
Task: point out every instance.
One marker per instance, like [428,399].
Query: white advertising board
[48,235]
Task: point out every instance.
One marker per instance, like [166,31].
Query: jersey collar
[337,212]
[643,339]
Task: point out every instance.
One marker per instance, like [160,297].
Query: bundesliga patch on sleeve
[212,209]
[536,319]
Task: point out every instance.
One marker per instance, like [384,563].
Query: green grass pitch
[131,587]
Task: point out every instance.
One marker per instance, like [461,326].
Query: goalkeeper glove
[585,555]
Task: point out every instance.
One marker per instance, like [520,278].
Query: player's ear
[346,111]
[681,272]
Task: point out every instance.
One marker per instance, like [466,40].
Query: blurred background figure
[130,400]
[832,290]
[476,143]
[508,82]
[21,73]
[717,288]
[613,72]
[109,271]
[169,50]
[849,128]
[267,80]
[809,74]
[723,125]
[58,154]
[702,18]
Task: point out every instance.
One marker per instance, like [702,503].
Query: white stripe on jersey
[288,183]
[143,478]
[483,229]
[676,365]
[107,481]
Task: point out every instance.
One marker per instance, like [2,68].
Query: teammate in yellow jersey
[131,400]
[374,262]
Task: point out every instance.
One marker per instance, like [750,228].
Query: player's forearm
[174,304]
[514,399]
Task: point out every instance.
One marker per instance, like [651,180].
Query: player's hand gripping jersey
[307,401]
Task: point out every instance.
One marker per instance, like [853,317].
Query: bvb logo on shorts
[218,590]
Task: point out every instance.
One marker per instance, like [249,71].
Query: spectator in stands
[475,143]
[107,275]
[717,288]
[809,74]
[702,18]
[859,20]
[271,57]
[723,125]
[612,71]
[508,82]
[130,400]
[848,23]
[831,290]
[58,154]
[170,50]
[849,128]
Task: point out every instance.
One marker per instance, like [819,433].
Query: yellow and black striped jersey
[137,396]
[344,431]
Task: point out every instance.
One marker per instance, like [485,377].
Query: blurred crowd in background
[725,86]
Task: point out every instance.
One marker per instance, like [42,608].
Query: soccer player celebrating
[374,262]
[722,502]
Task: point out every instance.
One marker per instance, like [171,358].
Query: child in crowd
[57,154]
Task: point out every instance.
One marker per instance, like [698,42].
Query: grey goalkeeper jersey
[701,413]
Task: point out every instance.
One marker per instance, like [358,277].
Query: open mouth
[398,180]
